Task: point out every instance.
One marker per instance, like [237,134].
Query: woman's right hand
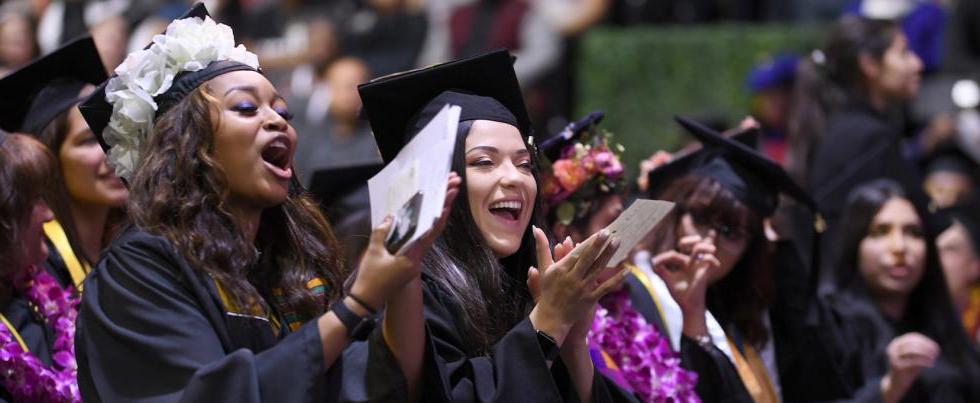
[381,273]
[686,274]
[908,355]
[569,288]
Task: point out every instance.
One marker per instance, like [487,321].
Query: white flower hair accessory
[144,84]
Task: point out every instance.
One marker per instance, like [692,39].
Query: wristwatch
[548,345]
[358,327]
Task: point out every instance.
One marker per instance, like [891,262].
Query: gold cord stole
[753,372]
[640,275]
[77,269]
[14,332]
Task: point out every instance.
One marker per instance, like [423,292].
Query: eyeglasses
[729,236]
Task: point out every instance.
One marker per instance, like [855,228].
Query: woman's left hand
[533,274]
[579,331]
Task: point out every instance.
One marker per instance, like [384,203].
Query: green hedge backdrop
[641,77]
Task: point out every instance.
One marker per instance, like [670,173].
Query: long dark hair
[180,192]
[491,292]
[742,296]
[53,136]
[929,309]
[25,175]
[829,79]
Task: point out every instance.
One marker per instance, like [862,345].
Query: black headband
[187,81]
[473,107]
[97,111]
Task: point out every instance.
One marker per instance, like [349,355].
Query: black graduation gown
[38,337]
[812,357]
[55,265]
[870,334]
[153,329]
[515,371]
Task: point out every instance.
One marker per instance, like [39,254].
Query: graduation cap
[485,86]
[752,177]
[551,147]
[950,157]
[330,185]
[967,213]
[755,180]
[97,111]
[37,93]
[684,162]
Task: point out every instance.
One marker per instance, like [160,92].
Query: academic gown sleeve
[143,335]
[515,370]
[814,359]
[718,380]
[943,382]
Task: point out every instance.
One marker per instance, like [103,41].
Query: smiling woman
[500,185]
[493,335]
[87,197]
[229,285]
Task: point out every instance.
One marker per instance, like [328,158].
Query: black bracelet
[548,344]
[362,303]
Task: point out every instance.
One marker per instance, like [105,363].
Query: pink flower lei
[23,375]
[647,363]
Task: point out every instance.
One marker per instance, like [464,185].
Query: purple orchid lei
[23,375]
[644,357]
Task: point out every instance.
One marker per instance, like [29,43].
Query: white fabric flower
[190,44]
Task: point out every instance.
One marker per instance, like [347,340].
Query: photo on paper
[406,221]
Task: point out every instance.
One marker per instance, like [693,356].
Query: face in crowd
[253,141]
[500,185]
[892,255]
[89,179]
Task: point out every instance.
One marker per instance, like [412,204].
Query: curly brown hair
[25,176]
[181,193]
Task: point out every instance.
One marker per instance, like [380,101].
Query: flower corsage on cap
[580,165]
[193,50]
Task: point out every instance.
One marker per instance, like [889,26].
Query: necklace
[23,375]
[643,356]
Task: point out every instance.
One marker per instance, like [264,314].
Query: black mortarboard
[552,146]
[37,93]
[97,111]
[752,177]
[967,213]
[684,163]
[332,184]
[484,86]
[949,157]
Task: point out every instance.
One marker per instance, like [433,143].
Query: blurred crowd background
[641,61]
